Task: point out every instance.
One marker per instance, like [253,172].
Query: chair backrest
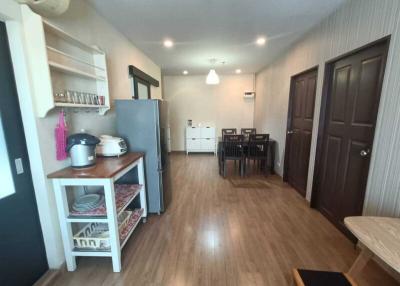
[248,131]
[233,146]
[258,146]
[259,137]
[228,131]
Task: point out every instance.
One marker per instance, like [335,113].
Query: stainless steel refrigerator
[143,124]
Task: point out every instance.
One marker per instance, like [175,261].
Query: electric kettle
[82,149]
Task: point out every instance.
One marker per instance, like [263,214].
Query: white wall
[355,24]
[221,106]
[83,22]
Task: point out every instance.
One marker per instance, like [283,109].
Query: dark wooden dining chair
[248,131]
[233,150]
[257,149]
[228,131]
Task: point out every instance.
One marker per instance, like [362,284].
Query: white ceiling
[221,29]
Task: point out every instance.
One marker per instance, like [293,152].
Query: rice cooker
[110,146]
[82,149]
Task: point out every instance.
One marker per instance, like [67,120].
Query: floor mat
[253,183]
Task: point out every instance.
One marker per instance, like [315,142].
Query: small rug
[250,183]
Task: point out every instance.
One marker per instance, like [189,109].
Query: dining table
[271,152]
[378,237]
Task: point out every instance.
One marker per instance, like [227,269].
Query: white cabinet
[207,132]
[193,145]
[208,144]
[193,132]
[200,139]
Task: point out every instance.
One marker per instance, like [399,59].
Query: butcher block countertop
[104,168]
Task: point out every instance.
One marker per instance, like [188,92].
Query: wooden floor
[215,233]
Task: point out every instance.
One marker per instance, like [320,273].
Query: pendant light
[212,77]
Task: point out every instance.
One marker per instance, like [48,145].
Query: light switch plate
[18,166]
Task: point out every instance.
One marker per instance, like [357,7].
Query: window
[142,83]
[6,179]
[141,89]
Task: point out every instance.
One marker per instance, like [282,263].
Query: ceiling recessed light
[261,41]
[185,72]
[168,43]
[238,71]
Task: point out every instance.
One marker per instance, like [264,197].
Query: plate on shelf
[88,202]
[123,195]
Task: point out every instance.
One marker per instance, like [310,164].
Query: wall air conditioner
[249,94]
[47,8]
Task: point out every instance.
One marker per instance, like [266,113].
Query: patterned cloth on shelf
[133,219]
[123,193]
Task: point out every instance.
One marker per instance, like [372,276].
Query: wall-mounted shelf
[63,62]
[102,109]
[61,53]
[75,65]
[50,28]
[63,104]
[73,71]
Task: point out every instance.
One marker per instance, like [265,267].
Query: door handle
[364,153]
[290,132]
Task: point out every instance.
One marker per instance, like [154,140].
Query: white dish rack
[95,235]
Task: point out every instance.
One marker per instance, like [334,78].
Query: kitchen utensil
[61,97]
[88,202]
[75,97]
[55,96]
[101,100]
[88,98]
[83,97]
[68,95]
[61,132]
[110,146]
[81,147]
[80,97]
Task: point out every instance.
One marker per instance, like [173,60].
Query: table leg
[271,147]
[142,181]
[66,229]
[112,217]
[360,262]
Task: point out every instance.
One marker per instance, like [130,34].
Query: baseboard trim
[48,279]
[178,152]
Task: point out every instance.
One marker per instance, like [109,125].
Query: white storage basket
[95,235]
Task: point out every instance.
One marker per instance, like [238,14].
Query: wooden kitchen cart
[106,174]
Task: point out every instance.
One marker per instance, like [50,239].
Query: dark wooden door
[352,103]
[299,132]
[22,254]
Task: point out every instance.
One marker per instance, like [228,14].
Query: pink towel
[61,132]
